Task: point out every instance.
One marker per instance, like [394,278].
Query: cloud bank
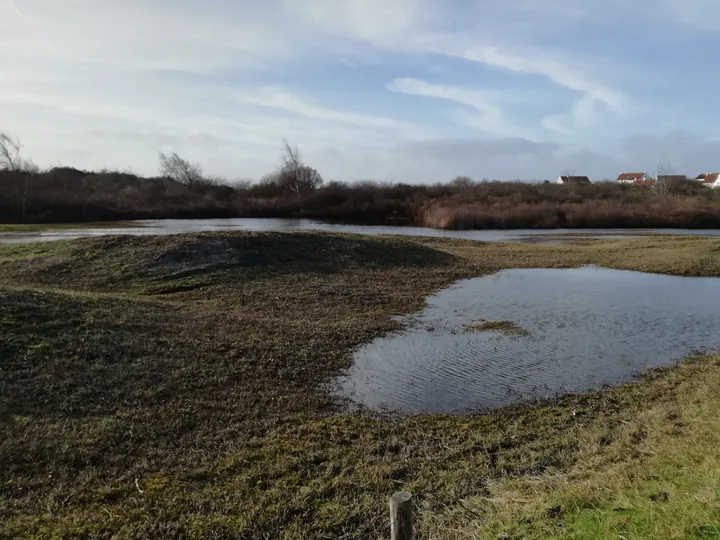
[409,90]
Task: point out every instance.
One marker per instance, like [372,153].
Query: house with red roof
[632,177]
[710,179]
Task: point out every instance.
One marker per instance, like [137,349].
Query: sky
[415,91]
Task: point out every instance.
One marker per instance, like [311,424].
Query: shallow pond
[571,330]
[179,226]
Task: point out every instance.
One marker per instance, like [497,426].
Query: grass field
[179,387]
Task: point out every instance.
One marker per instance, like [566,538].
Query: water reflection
[179,226]
[584,327]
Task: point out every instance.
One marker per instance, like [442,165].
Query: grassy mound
[202,365]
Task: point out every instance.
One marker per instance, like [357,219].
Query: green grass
[199,364]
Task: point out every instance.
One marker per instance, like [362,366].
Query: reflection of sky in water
[587,327]
[178,226]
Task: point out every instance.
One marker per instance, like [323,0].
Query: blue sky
[400,90]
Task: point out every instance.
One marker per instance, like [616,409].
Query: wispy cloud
[420,27]
[490,118]
[562,73]
[224,81]
[584,114]
[275,98]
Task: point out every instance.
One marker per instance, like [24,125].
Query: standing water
[181,226]
[572,330]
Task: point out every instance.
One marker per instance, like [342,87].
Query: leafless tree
[462,182]
[665,183]
[179,169]
[10,159]
[242,184]
[295,175]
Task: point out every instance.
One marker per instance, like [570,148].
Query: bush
[65,194]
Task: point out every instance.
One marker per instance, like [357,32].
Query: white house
[632,177]
[573,180]
[710,179]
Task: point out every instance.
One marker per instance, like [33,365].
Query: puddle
[573,330]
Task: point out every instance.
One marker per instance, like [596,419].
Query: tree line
[182,190]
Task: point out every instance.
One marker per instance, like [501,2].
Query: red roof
[631,176]
[710,178]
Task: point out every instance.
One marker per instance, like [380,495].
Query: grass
[39,227]
[200,366]
[508,328]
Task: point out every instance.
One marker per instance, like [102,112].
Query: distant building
[632,177]
[710,179]
[573,180]
[671,178]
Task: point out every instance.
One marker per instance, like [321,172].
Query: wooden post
[401,518]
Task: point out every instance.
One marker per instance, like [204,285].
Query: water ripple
[586,327]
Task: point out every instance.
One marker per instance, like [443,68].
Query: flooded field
[522,334]
[179,226]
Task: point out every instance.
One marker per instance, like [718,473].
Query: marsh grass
[507,328]
[200,365]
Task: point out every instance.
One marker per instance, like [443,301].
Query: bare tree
[295,175]
[665,181]
[179,169]
[462,182]
[10,159]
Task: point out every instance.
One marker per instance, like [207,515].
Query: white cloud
[563,73]
[380,22]
[279,99]
[134,35]
[104,82]
[419,27]
[491,118]
[585,114]
[111,82]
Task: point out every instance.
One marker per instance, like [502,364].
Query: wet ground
[523,334]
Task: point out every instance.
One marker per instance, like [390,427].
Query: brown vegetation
[63,195]
[200,366]
[69,195]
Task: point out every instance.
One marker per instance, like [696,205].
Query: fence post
[401,517]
